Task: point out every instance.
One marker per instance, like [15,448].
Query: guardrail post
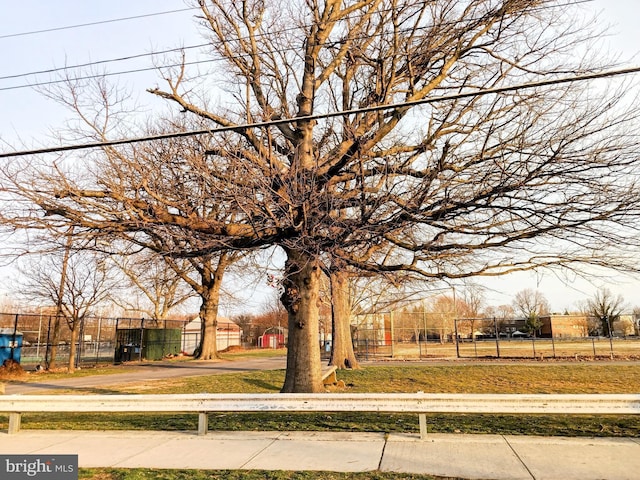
[203,423]
[15,419]
[423,425]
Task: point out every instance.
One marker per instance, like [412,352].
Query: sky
[28,119]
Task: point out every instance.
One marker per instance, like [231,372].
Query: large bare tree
[152,286]
[77,282]
[607,308]
[531,304]
[474,185]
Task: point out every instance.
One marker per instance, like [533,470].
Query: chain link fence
[381,335]
[100,339]
[442,335]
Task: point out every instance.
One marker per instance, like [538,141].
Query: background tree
[86,282]
[245,322]
[636,320]
[444,309]
[606,307]
[273,317]
[473,301]
[342,353]
[531,304]
[356,292]
[477,184]
[149,276]
[9,304]
[502,314]
[530,301]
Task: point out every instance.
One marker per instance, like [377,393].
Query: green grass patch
[459,378]
[153,474]
[493,378]
[254,353]
[61,372]
[546,425]
[497,378]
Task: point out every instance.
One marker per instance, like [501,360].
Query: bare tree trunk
[342,354]
[52,353]
[73,347]
[208,349]
[210,293]
[50,359]
[300,298]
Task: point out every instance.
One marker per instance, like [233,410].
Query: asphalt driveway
[141,372]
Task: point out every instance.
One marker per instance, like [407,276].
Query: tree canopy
[472,185]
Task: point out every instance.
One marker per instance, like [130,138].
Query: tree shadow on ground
[262,384]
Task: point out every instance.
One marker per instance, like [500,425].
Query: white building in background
[625,326]
[229,334]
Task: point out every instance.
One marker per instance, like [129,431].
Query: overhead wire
[100,75]
[170,50]
[100,62]
[98,22]
[376,108]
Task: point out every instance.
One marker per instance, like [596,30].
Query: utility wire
[90,24]
[178,49]
[100,75]
[99,62]
[376,108]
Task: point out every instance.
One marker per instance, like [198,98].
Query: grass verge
[493,378]
[151,474]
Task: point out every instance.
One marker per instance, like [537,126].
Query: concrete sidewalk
[465,456]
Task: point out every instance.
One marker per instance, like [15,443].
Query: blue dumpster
[10,345]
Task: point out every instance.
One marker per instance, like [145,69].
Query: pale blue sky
[28,116]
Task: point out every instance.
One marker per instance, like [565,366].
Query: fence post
[455,332]
[610,336]
[98,340]
[392,332]
[533,342]
[78,359]
[15,335]
[39,334]
[495,327]
[203,423]
[426,335]
[15,421]
[47,350]
[422,419]
[141,339]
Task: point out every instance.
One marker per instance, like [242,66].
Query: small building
[512,327]
[564,326]
[228,334]
[273,337]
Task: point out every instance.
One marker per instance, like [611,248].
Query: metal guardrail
[419,403]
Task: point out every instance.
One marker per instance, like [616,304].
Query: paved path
[486,457]
[142,372]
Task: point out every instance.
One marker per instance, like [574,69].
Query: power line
[376,108]
[100,75]
[173,50]
[90,24]
[99,62]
